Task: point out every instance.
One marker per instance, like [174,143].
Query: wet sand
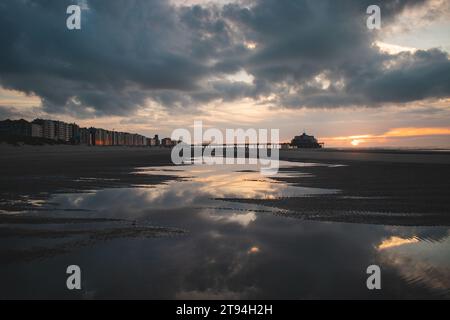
[30,175]
[33,173]
[172,241]
[370,155]
[387,187]
[378,187]
[71,239]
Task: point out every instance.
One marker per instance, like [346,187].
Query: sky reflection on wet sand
[231,250]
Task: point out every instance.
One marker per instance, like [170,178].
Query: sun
[355,142]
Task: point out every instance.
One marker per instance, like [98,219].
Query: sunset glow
[250,151]
[365,89]
[396,133]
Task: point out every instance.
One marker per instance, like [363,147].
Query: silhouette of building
[85,137]
[305,141]
[75,134]
[167,142]
[37,130]
[15,127]
[151,142]
[48,128]
[72,133]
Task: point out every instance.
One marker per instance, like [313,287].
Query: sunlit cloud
[13,98]
[356,140]
[250,45]
[393,48]
[241,76]
[420,27]
[414,132]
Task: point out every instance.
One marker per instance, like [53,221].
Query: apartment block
[72,133]
[37,130]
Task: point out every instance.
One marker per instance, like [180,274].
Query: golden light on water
[253,250]
[395,242]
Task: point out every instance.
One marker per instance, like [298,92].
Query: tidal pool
[199,245]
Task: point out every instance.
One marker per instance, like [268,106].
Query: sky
[151,66]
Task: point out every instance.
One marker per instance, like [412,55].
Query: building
[151,142]
[167,142]
[305,141]
[98,136]
[48,128]
[85,137]
[61,131]
[73,134]
[37,130]
[101,137]
[15,127]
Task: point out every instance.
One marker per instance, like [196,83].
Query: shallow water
[204,246]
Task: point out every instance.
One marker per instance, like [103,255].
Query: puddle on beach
[199,245]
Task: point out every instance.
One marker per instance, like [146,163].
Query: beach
[222,232]
[37,171]
[409,183]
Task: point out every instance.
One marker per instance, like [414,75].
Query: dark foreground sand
[387,187]
[392,188]
[30,173]
[35,172]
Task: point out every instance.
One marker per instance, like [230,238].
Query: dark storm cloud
[129,51]
[417,76]
[125,48]
[301,40]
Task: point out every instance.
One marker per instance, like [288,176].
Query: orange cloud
[356,140]
[417,132]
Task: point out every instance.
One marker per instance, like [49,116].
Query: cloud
[414,132]
[396,133]
[124,52]
[130,53]
[17,113]
[414,76]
